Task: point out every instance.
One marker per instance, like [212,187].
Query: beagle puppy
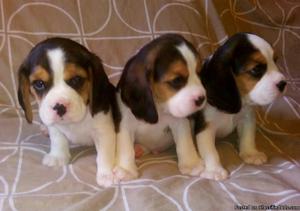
[240,74]
[76,101]
[158,90]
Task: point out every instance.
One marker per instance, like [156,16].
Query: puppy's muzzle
[60,109]
[281,85]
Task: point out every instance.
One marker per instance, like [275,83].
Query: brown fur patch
[39,73]
[162,90]
[85,90]
[199,65]
[245,83]
[72,70]
[36,96]
[25,93]
[258,57]
[255,59]
[175,69]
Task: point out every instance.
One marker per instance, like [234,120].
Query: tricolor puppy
[76,101]
[240,74]
[158,89]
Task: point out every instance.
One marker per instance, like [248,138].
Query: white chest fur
[152,136]
[78,133]
[221,122]
[82,132]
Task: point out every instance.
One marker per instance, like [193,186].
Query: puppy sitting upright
[241,73]
[158,89]
[76,101]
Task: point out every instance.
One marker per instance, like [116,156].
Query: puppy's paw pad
[218,173]
[192,169]
[255,158]
[124,175]
[52,160]
[106,179]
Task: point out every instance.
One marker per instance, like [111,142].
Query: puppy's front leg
[126,168]
[105,143]
[59,154]
[188,159]
[246,130]
[206,146]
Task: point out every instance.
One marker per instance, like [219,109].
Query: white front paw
[106,179]
[193,168]
[56,160]
[215,173]
[123,174]
[254,157]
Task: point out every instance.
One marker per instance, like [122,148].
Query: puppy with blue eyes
[76,101]
[240,74]
[158,90]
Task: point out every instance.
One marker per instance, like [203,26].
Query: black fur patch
[153,61]
[135,91]
[217,74]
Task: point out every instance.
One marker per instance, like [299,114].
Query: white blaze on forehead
[57,63]
[264,47]
[183,103]
[191,62]
[267,51]
[265,91]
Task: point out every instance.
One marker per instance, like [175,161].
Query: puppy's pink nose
[199,101]
[60,109]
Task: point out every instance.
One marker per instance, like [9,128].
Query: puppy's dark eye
[177,82]
[76,82]
[39,85]
[258,70]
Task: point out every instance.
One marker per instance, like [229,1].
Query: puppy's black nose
[60,109]
[281,85]
[199,101]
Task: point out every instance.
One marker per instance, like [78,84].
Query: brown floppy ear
[136,92]
[217,75]
[100,87]
[24,93]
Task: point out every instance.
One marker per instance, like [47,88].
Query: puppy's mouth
[264,101]
[58,120]
[68,118]
[183,113]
